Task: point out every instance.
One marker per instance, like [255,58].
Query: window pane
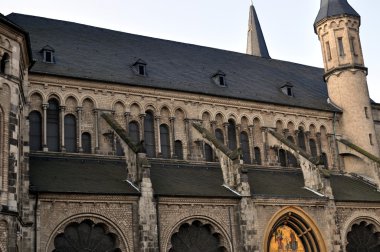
[165,141]
[134,132]
[231,135]
[219,135]
[257,155]
[244,142]
[35,131]
[86,142]
[70,133]
[208,153]
[150,145]
[53,125]
[178,149]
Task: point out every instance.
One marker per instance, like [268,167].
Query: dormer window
[139,67]
[287,89]
[48,54]
[220,79]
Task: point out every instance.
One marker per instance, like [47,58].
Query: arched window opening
[149,141]
[324,160]
[209,157]
[282,157]
[70,133]
[134,132]
[52,126]
[244,143]
[257,155]
[86,142]
[232,134]
[119,148]
[4,64]
[301,139]
[196,237]
[363,237]
[178,149]
[86,236]
[292,233]
[165,141]
[313,148]
[35,131]
[219,135]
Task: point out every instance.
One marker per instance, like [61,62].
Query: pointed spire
[331,8]
[255,42]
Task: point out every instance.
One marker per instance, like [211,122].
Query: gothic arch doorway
[293,230]
[197,236]
[364,237]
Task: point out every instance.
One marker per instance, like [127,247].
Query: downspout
[35,223]
[158,223]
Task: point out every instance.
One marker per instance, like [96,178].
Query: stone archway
[86,236]
[291,229]
[196,236]
[363,237]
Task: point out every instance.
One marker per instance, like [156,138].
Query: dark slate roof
[279,183]
[93,53]
[349,189]
[331,8]
[256,34]
[188,180]
[88,175]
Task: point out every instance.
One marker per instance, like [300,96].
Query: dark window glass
[165,141]
[352,44]
[231,135]
[178,149]
[150,144]
[341,47]
[328,50]
[292,161]
[48,57]
[35,131]
[363,237]
[141,69]
[244,142]
[208,153]
[53,125]
[282,157]
[219,135]
[257,155]
[86,142]
[221,81]
[313,148]
[70,133]
[301,140]
[291,139]
[119,148]
[4,63]
[324,160]
[134,132]
[289,91]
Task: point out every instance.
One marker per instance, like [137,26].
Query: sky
[287,24]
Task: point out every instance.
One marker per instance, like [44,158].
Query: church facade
[118,142]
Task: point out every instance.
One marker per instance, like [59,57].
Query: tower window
[352,44]
[328,51]
[370,139]
[366,112]
[341,47]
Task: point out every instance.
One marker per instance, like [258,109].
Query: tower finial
[255,40]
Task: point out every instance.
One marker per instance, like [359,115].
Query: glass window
[149,141]
[70,133]
[53,125]
[165,141]
[35,131]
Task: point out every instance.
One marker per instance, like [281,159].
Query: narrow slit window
[289,91]
[341,47]
[353,48]
[141,69]
[328,51]
[221,81]
[366,112]
[370,139]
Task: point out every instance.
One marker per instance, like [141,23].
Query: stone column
[265,151]
[44,134]
[213,127]
[79,126]
[157,134]
[251,142]
[307,140]
[172,137]
[127,116]
[189,138]
[237,131]
[319,144]
[62,122]
[96,115]
[142,118]
[225,125]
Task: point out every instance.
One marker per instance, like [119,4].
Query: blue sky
[287,24]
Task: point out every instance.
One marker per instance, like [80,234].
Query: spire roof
[255,41]
[331,8]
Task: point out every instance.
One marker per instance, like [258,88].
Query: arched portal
[293,230]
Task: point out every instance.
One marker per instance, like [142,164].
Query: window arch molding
[87,97]
[357,218]
[111,226]
[216,229]
[296,215]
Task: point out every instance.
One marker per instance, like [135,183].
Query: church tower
[337,26]
[256,45]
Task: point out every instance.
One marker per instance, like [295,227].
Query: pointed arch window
[52,126]
[301,139]
[178,149]
[363,237]
[324,160]
[149,141]
[35,131]
[4,64]
[231,134]
[244,143]
[257,155]
[313,148]
[165,141]
[208,153]
[119,148]
[219,135]
[70,133]
[134,132]
[86,142]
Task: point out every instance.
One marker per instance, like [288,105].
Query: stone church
[118,142]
